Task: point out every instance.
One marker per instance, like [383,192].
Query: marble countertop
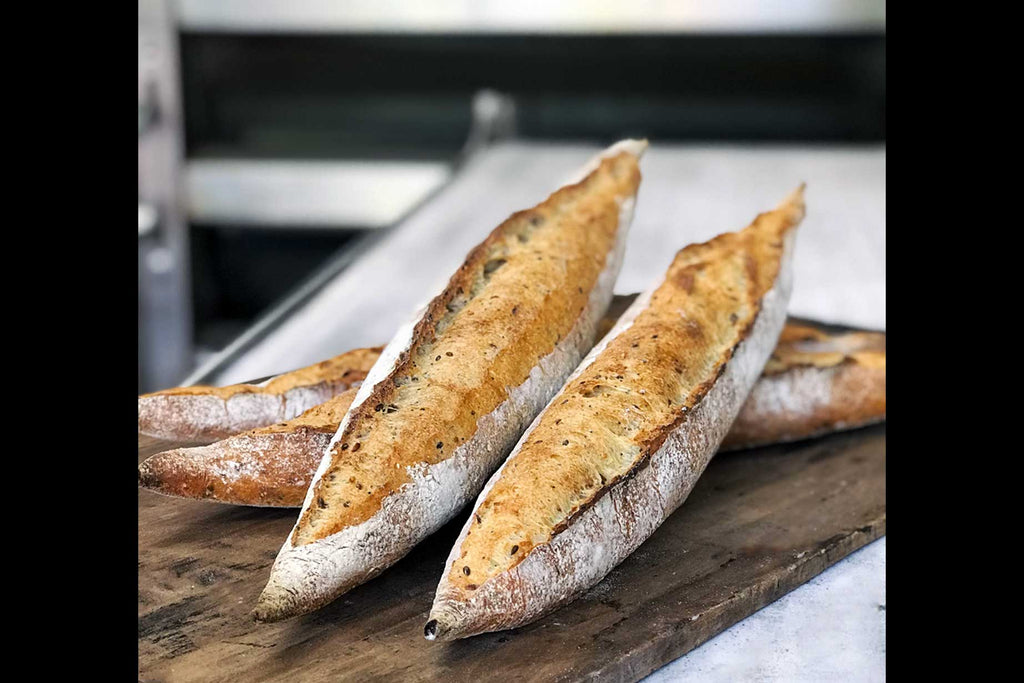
[832,628]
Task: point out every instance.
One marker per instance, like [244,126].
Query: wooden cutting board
[758,524]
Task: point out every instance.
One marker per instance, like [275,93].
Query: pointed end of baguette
[283,597]
[634,147]
[274,604]
[443,626]
[430,630]
[174,473]
[300,582]
[147,478]
[794,203]
[156,471]
[453,620]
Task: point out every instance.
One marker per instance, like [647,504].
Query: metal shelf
[498,16]
[689,194]
[308,193]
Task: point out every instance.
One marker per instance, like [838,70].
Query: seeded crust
[204,414]
[516,296]
[815,382]
[805,391]
[659,392]
[271,466]
[452,392]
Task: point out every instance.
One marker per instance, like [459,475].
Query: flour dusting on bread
[512,323]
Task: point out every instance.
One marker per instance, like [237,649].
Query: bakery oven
[278,140]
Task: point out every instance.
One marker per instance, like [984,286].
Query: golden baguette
[202,414]
[621,445]
[268,467]
[453,390]
[818,380]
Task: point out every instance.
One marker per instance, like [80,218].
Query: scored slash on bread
[817,380]
[202,414]
[453,390]
[620,447]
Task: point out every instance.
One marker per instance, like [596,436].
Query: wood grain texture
[757,525]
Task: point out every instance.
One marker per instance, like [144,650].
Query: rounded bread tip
[443,625]
[438,629]
[263,612]
[631,145]
[147,478]
[795,200]
[430,630]
[272,605]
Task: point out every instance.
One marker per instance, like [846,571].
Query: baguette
[817,381]
[266,467]
[453,391]
[621,446]
[202,414]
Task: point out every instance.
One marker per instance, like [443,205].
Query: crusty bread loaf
[621,445]
[817,380]
[453,390]
[201,414]
[270,466]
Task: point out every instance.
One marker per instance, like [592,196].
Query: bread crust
[815,382]
[818,380]
[526,550]
[202,414]
[266,467]
[465,379]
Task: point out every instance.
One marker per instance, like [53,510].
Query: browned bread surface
[620,409]
[815,382]
[516,296]
[456,386]
[807,344]
[635,426]
[269,466]
[203,413]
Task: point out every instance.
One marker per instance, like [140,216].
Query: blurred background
[310,170]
